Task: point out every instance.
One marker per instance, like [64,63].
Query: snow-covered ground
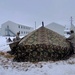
[8,67]
[4,44]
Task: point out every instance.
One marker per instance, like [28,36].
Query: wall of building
[12,28]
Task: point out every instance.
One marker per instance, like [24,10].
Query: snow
[3,44]
[8,67]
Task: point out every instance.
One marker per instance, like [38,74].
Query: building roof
[10,22]
[56,27]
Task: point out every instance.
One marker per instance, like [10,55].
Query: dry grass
[6,55]
[2,53]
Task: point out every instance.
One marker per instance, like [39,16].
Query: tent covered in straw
[41,45]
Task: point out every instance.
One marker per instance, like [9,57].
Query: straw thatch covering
[41,45]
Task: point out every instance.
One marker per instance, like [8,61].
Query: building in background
[72,27]
[10,28]
[56,28]
[67,30]
[60,29]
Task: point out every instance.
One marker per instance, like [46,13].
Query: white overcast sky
[26,12]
